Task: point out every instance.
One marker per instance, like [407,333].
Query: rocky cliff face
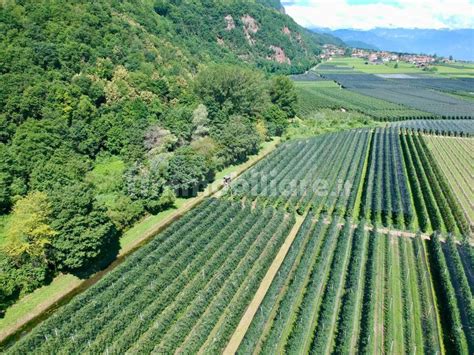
[255,31]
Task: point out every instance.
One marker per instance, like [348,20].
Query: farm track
[396,288]
[252,309]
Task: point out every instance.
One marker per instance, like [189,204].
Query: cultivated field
[450,70]
[186,290]
[455,156]
[433,94]
[386,177]
[349,242]
[463,128]
[386,197]
[321,173]
[346,290]
[316,95]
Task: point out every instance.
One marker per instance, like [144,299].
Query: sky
[368,14]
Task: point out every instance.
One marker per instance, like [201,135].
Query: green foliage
[276,120]
[450,311]
[24,254]
[230,90]
[176,275]
[76,217]
[283,94]
[63,168]
[19,279]
[188,172]
[237,140]
[146,182]
[29,232]
[106,176]
[123,211]
[276,4]
[86,80]
[35,142]
[6,178]
[326,121]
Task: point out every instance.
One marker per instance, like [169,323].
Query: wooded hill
[109,109]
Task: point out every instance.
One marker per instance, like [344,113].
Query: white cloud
[406,14]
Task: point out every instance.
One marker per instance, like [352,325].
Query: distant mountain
[444,42]
[361,45]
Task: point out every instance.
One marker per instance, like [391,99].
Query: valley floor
[263,270]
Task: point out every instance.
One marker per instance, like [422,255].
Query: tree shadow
[108,255]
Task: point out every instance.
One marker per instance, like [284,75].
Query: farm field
[384,176]
[404,182]
[417,91]
[200,276]
[437,103]
[182,177]
[348,290]
[386,198]
[316,95]
[453,70]
[461,128]
[455,156]
[352,280]
[297,175]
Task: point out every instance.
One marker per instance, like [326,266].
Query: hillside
[111,110]
[244,30]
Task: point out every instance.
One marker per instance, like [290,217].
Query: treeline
[107,114]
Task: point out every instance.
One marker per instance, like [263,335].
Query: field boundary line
[360,296]
[59,299]
[434,297]
[252,309]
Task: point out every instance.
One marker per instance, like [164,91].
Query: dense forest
[109,110]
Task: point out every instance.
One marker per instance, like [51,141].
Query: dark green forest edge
[110,110]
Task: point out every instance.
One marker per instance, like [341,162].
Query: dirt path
[252,309]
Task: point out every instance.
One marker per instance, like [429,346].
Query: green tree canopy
[29,231]
[228,90]
[84,231]
[237,140]
[283,95]
[187,171]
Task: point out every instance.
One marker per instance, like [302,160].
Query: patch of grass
[458,70]
[106,176]
[317,84]
[327,121]
[358,64]
[386,68]
[40,299]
